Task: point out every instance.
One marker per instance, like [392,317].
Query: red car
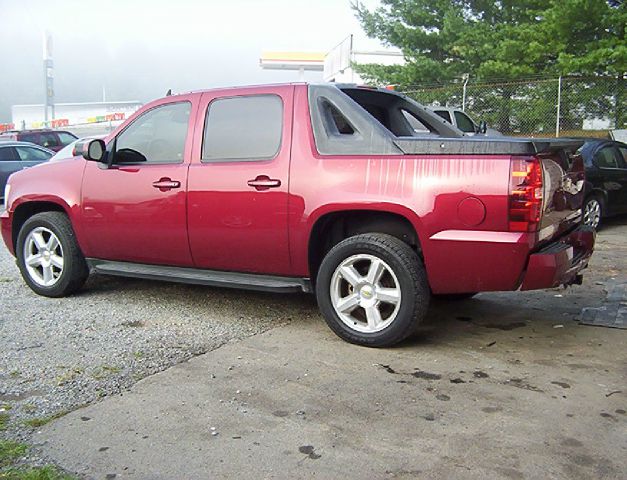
[53,140]
[319,188]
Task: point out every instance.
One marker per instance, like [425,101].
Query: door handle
[164,184]
[263,182]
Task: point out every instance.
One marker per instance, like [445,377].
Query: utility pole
[48,75]
[465,77]
[559,106]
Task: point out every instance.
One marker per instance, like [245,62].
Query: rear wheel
[49,257]
[372,290]
[592,211]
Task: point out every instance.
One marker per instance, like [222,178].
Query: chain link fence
[564,106]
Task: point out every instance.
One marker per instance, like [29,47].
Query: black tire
[589,205]
[74,272]
[454,297]
[411,278]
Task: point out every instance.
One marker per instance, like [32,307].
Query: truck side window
[246,128]
[157,136]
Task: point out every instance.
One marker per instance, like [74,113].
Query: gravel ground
[59,354]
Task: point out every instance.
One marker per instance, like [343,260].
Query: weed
[10,452]
[41,421]
[4,421]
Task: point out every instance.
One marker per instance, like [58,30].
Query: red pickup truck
[357,194]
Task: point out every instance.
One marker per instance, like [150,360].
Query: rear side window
[66,138]
[623,154]
[30,154]
[444,114]
[48,140]
[29,137]
[243,129]
[8,154]
[606,158]
[464,123]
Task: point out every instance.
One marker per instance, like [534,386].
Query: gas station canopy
[300,61]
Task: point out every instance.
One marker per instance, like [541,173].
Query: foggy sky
[138,49]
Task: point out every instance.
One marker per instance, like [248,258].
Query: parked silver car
[464,123]
[15,156]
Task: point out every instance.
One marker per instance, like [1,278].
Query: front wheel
[48,255]
[372,290]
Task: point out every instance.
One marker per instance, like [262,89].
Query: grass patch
[134,324]
[11,452]
[68,376]
[41,473]
[4,420]
[104,371]
[41,421]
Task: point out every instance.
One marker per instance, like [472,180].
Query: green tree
[504,39]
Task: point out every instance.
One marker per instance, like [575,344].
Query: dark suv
[53,140]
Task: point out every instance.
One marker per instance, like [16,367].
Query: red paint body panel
[126,218]
[233,226]
[458,206]
[426,190]
[58,183]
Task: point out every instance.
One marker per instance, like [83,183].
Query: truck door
[238,181]
[135,210]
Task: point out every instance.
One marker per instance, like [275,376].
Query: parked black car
[15,156]
[606,180]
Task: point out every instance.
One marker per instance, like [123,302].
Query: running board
[197,276]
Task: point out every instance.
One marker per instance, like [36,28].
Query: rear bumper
[560,262]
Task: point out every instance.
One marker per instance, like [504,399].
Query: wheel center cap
[46,255]
[366,292]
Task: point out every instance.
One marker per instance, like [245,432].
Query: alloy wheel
[365,293]
[592,213]
[43,256]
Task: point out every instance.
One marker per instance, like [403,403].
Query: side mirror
[93,150]
[483,127]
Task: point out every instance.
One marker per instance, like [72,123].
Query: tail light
[525,194]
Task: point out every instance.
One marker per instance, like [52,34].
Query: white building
[338,63]
[69,114]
